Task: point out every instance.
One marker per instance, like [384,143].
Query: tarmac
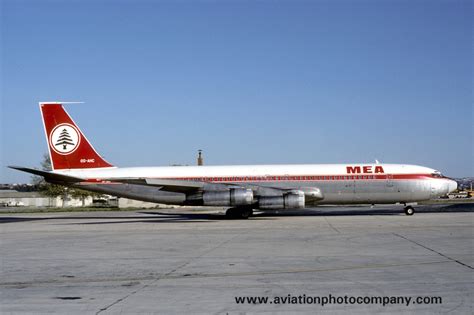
[184,261]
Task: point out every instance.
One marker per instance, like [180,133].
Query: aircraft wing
[174,185]
[187,186]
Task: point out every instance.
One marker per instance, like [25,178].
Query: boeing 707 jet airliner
[242,188]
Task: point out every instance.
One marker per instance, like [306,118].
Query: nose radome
[452,186]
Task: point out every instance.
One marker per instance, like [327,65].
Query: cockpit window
[437,174]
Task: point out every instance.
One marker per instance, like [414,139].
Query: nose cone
[452,186]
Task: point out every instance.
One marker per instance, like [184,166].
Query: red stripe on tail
[68,147]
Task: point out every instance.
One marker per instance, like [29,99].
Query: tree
[53,190]
[47,189]
[64,139]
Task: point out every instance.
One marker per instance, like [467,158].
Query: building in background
[13,198]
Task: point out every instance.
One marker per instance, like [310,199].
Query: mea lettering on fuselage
[364,169]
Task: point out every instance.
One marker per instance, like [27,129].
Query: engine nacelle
[292,200]
[232,197]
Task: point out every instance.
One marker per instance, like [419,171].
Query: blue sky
[249,82]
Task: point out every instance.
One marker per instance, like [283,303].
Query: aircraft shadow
[196,217]
[364,211]
[333,211]
[164,218]
[19,219]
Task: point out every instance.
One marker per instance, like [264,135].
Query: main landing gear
[239,213]
[409,210]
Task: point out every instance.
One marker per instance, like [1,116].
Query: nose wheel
[409,210]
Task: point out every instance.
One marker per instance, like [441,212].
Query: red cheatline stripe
[289,178]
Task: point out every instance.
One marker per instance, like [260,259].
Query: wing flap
[171,185]
[176,185]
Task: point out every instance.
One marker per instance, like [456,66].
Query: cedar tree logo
[64,139]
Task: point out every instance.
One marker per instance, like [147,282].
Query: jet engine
[291,200]
[231,197]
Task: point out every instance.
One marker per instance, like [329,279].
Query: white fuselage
[339,183]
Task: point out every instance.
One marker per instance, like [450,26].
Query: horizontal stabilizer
[49,176]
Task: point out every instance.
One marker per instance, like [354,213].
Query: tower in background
[200,160]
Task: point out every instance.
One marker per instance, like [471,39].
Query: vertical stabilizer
[68,147]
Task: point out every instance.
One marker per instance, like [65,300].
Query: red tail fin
[68,147]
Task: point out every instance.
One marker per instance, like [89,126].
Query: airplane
[242,188]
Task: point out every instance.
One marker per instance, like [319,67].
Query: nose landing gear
[409,210]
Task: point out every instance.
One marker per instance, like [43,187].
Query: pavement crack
[434,251]
[166,275]
[332,227]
